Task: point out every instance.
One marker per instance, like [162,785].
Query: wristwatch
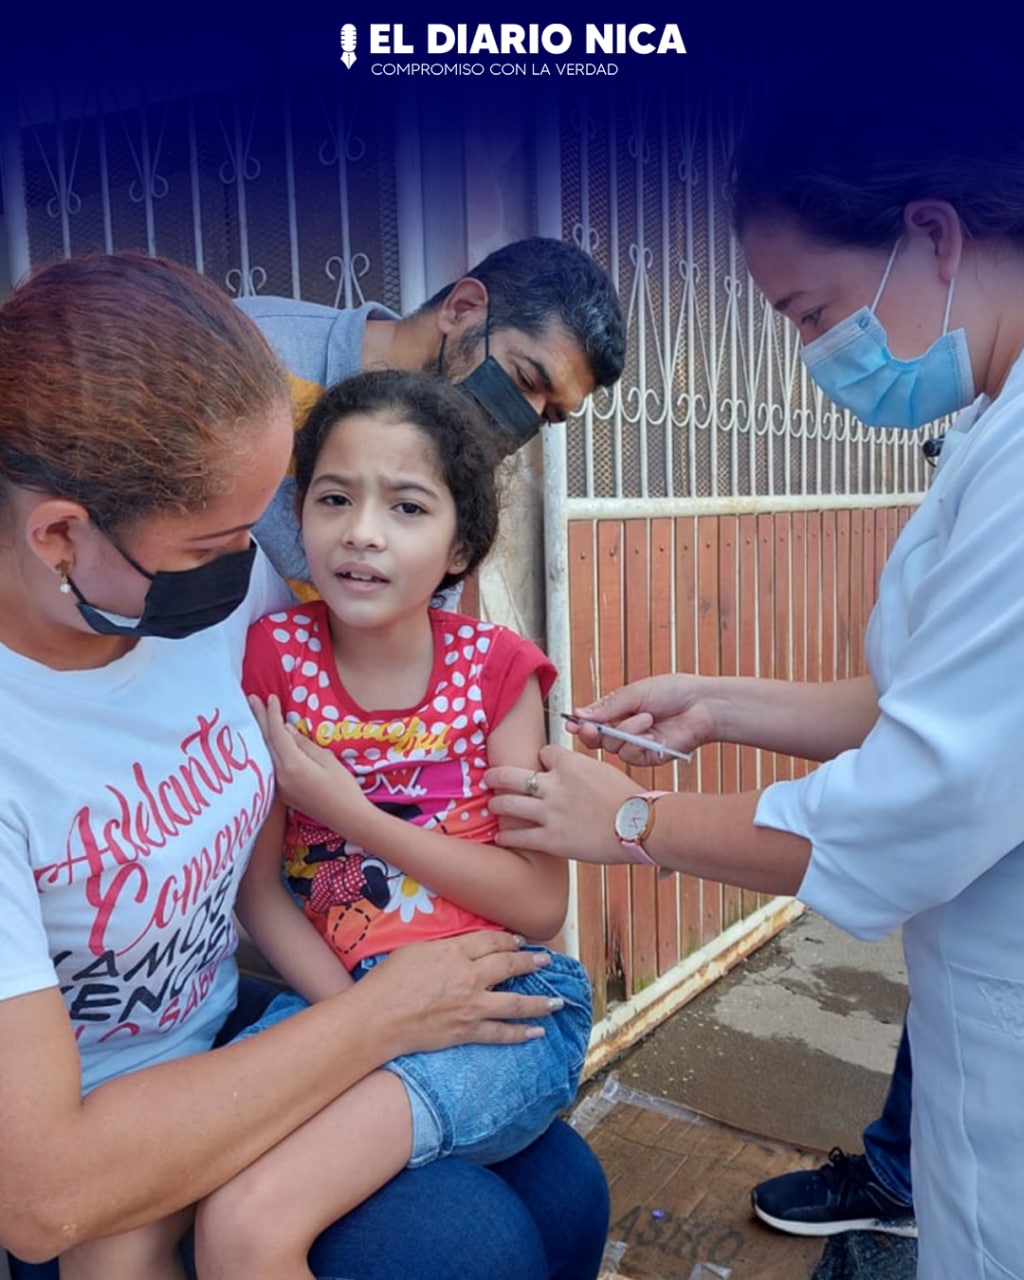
[634,822]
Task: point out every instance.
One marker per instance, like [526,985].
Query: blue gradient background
[816,53]
[132,45]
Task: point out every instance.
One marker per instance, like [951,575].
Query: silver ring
[532,784]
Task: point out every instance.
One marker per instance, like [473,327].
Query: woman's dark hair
[845,167]
[466,450]
[129,384]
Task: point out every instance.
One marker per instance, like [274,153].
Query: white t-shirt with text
[131,796]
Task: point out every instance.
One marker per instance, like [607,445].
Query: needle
[648,744]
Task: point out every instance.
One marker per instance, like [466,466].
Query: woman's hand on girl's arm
[571,813]
[518,739]
[277,925]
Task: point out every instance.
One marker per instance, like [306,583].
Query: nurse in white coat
[891,234]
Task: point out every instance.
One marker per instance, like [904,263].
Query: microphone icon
[348,44]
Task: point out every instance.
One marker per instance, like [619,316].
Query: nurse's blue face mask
[499,397]
[178,602]
[853,365]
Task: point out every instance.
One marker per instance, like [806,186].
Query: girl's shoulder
[498,651]
[285,641]
[455,628]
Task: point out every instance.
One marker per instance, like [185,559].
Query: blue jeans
[887,1139]
[541,1215]
[485,1102]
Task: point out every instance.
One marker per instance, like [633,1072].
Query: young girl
[382,714]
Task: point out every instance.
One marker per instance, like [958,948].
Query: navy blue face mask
[499,397]
[178,602]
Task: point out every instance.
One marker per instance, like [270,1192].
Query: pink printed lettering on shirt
[113,850]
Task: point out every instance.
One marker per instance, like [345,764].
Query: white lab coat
[923,826]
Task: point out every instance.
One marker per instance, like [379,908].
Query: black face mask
[179,602]
[499,397]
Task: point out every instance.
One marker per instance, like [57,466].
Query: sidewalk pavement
[791,1052]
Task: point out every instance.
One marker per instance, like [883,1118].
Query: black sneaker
[842,1195]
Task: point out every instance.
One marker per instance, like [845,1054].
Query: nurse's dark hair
[843,164]
[465,449]
[131,385]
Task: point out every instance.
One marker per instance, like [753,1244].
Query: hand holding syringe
[635,739]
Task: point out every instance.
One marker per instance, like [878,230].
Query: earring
[64,568]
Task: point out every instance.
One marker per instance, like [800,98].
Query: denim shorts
[485,1102]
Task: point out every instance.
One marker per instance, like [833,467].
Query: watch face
[631,818]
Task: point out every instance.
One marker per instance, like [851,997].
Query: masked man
[529,333]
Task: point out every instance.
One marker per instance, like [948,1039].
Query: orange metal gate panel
[782,594]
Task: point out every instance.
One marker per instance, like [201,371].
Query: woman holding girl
[144,426]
